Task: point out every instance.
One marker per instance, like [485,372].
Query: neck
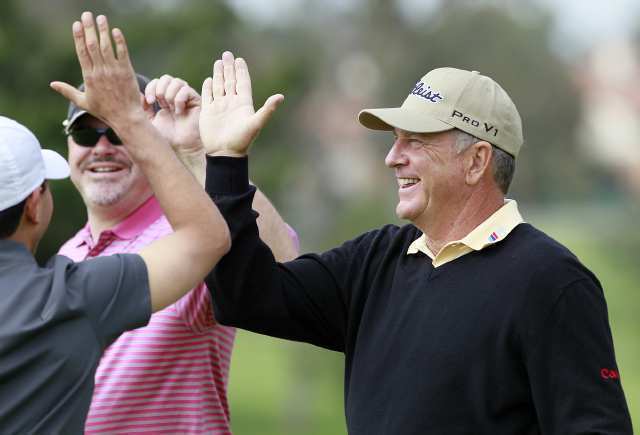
[103,218]
[459,218]
[27,238]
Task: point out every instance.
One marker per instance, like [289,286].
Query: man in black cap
[123,217]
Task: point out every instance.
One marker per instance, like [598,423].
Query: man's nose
[104,146]
[395,156]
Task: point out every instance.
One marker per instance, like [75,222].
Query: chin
[406,211]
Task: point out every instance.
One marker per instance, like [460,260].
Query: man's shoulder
[387,240]
[390,233]
[545,256]
[539,243]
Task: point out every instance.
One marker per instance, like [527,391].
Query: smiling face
[104,174]
[429,172]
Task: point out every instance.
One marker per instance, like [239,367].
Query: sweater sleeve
[575,382]
[303,300]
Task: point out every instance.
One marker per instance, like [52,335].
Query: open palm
[228,122]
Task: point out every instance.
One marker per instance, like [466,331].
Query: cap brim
[67,123]
[55,166]
[402,118]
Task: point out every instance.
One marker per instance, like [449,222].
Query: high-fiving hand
[179,112]
[111,90]
[228,122]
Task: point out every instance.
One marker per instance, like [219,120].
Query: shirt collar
[134,224]
[139,220]
[493,230]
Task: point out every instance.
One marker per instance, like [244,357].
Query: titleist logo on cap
[427,93]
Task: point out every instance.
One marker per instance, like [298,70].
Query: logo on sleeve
[427,93]
[609,374]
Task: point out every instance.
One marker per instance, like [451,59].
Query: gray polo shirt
[55,322]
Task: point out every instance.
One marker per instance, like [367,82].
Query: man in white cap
[58,319]
[465,321]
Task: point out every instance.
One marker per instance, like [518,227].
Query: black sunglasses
[89,137]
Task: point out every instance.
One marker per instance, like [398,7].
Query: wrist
[130,124]
[227,153]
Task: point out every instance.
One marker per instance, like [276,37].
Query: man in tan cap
[465,321]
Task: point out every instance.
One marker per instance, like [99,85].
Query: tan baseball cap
[447,98]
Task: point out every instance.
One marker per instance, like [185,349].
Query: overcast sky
[580,23]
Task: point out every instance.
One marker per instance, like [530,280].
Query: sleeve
[195,308]
[570,361]
[304,300]
[114,293]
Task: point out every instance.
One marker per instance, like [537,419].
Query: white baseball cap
[23,164]
[447,98]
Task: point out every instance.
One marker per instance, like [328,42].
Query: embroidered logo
[483,126]
[609,373]
[427,93]
[493,237]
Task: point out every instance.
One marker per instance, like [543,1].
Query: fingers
[161,88]
[262,116]
[229,71]
[81,48]
[207,91]
[217,84]
[105,39]
[172,94]
[69,92]
[186,97]
[243,85]
[150,91]
[91,39]
[122,52]
[172,90]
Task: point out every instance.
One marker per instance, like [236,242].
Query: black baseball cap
[74,112]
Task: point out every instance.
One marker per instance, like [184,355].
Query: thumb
[148,108]
[262,116]
[69,92]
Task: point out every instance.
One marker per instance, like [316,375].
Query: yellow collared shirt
[496,228]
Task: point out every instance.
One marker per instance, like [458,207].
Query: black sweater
[513,339]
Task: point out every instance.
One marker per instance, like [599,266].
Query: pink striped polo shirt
[170,376]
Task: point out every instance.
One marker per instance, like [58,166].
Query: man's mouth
[405,182]
[104,168]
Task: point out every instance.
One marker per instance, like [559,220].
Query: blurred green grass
[278,387]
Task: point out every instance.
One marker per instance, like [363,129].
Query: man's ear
[32,206]
[477,161]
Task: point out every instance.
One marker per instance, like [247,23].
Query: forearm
[167,176]
[195,162]
[295,300]
[273,229]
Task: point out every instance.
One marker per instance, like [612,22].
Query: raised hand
[228,122]
[111,91]
[177,119]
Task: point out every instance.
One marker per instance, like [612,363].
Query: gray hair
[504,165]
